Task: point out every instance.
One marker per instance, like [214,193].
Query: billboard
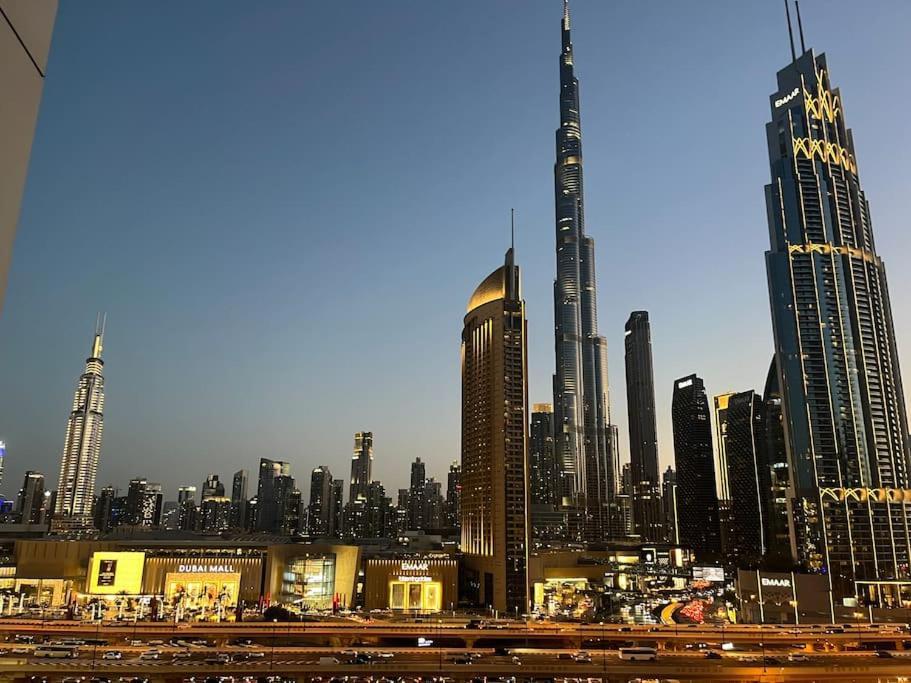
[112,573]
[713,574]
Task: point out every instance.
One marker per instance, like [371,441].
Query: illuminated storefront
[427,583]
[309,582]
[115,573]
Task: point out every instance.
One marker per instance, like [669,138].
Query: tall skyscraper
[361,465]
[581,406]
[32,501]
[643,430]
[269,494]
[844,409]
[337,515]
[82,445]
[416,496]
[725,503]
[494,500]
[777,456]
[749,480]
[320,507]
[212,488]
[186,508]
[453,494]
[239,500]
[103,514]
[697,501]
[543,482]
[25,40]
[144,503]
[669,499]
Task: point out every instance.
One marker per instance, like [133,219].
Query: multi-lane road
[306,652]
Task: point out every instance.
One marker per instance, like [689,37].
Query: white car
[112,654]
[150,654]
[795,657]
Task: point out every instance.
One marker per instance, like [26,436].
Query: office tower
[776,454]
[119,513]
[494,499]
[453,491]
[581,407]
[319,511]
[170,515]
[267,502]
[844,410]
[239,500]
[25,40]
[286,503]
[434,505]
[361,465]
[144,501]
[31,504]
[416,496]
[102,513]
[215,514]
[697,500]
[212,488]
[377,511]
[643,431]
[543,485]
[336,516]
[82,445]
[669,501]
[725,518]
[187,512]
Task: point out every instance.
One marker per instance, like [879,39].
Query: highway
[284,649]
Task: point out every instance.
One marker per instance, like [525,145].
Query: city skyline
[120,453]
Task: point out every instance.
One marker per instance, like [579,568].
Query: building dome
[491,289]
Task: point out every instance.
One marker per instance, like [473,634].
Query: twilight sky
[284,207]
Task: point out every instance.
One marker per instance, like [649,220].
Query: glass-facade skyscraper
[845,422]
[82,444]
[581,406]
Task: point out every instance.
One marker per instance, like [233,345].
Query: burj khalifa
[584,440]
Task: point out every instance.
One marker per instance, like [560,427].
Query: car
[515,660]
[99,679]
[177,656]
[242,642]
[711,654]
[385,655]
[462,659]
[349,653]
[797,657]
[112,654]
[20,651]
[156,642]
[582,657]
[220,658]
[884,653]
[135,642]
[768,659]
[72,679]
[150,655]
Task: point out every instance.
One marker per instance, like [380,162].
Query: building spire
[565,15]
[98,342]
[787,11]
[803,47]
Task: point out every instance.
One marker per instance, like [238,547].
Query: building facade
[82,444]
[645,489]
[494,501]
[697,501]
[581,405]
[846,424]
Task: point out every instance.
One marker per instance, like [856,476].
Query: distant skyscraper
[643,430]
[725,518]
[416,496]
[25,40]
[581,406]
[844,410]
[212,488]
[749,480]
[215,513]
[320,507]
[336,516]
[543,485]
[669,498]
[494,500]
[361,465]
[82,445]
[239,500]
[144,503]
[186,508]
[268,514]
[31,503]
[697,501]
[103,511]
[777,456]
[453,493]
[434,505]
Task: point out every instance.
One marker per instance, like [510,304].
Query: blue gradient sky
[284,209]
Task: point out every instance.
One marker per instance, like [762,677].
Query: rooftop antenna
[800,27]
[98,341]
[787,12]
[565,15]
[512,229]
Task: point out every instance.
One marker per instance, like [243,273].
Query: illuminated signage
[684,384]
[107,572]
[205,569]
[775,583]
[414,579]
[714,574]
[787,98]
[414,566]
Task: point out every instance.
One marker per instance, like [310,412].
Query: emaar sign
[775,583]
